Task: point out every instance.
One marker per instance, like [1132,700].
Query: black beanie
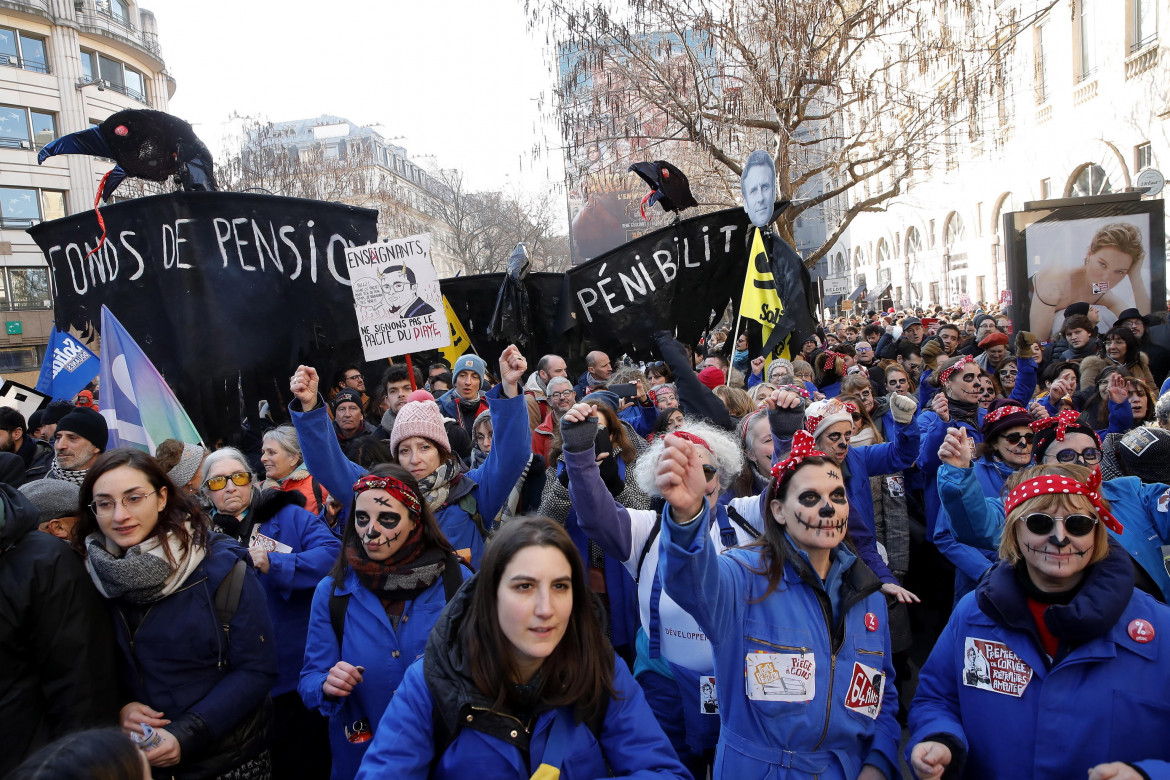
[1145,453]
[87,424]
[55,411]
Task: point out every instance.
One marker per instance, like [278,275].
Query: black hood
[445,665]
[12,469]
[19,516]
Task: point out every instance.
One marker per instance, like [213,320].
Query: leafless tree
[851,98]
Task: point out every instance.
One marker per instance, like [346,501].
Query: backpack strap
[467,503]
[739,520]
[338,606]
[653,537]
[452,576]
[227,600]
[317,494]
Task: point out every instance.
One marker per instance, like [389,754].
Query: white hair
[285,437]
[726,456]
[224,453]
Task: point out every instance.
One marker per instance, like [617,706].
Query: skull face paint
[834,441]
[382,523]
[815,509]
[1055,562]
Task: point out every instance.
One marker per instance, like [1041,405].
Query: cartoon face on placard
[758,185]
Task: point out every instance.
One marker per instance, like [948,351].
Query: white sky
[457,79]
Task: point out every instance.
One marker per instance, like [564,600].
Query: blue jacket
[488,745]
[970,562]
[368,640]
[1144,517]
[489,484]
[291,576]
[641,417]
[179,661]
[816,736]
[1100,701]
[934,429]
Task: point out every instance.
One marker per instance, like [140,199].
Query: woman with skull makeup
[796,616]
[372,615]
[1055,652]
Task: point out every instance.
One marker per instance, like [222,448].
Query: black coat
[57,648]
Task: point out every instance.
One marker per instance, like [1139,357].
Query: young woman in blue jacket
[518,676]
[1006,448]
[1055,666]
[796,619]
[462,501]
[371,617]
[201,686]
[292,549]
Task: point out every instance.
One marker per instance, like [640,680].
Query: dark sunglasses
[1088,455]
[1014,438]
[1075,525]
[709,471]
[240,478]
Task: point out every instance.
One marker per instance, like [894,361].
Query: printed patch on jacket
[992,666]
[708,695]
[865,690]
[895,487]
[781,676]
[1137,440]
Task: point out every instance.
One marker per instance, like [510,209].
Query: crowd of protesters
[921,540]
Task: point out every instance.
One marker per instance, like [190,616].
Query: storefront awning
[856,294]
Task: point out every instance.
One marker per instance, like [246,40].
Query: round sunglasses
[1075,525]
[240,478]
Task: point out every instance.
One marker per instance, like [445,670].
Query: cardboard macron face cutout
[758,185]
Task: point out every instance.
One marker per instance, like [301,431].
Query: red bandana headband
[946,373]
[394,487]
[998,414]
[798,389]
[1054,483]
[693,439]
[832,406]
[830,363]
[1063,421]
[803,446]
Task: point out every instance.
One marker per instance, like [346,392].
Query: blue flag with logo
[140,408]
[68,367]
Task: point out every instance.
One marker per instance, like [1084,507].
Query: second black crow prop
[145,144]
[668,186]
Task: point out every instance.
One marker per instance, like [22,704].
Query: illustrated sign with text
[396,297]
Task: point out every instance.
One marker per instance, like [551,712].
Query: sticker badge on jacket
[781,676]
[992,666]
[708,695]
[865,690]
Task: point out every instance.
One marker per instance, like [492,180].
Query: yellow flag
[759,300]
[460,341]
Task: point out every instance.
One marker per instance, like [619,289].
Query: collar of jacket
[1092,613]
[1001,468]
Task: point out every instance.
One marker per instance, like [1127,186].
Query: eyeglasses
[395,286]
[240,478]
[1075,525]
[352,377]
[1014,438]
[709,471]
[563,394]
[104,507]
[1089,455]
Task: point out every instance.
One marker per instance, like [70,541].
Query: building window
[1092,180]
[117,76]
[117,10]
[24,207]
[29,288]
[1145,23]
[1143,156]
[1045,189]
[1040,65]
[13,359]
[1086,26]
[21,50]
[22,128]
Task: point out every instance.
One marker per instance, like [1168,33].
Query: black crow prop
[668,186]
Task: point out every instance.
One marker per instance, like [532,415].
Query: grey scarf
[141,574]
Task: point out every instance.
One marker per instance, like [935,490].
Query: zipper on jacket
[801,650]
[518,722]
[829,701]
[870,652]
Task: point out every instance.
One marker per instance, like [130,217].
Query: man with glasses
[536,388]
[561,397]
[80,437]
[400,291]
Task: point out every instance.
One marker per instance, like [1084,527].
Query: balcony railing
[12,61]
[119,88]
[103,23]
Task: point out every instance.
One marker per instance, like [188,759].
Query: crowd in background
[926,539]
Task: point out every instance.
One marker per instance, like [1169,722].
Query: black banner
[225,292]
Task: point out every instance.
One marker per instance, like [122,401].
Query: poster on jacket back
[396,297]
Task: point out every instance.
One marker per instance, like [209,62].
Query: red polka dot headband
[1063,421]
[945,374]
[394,487]
[831,359]
[1056,484]
[998,414]
[803,446]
